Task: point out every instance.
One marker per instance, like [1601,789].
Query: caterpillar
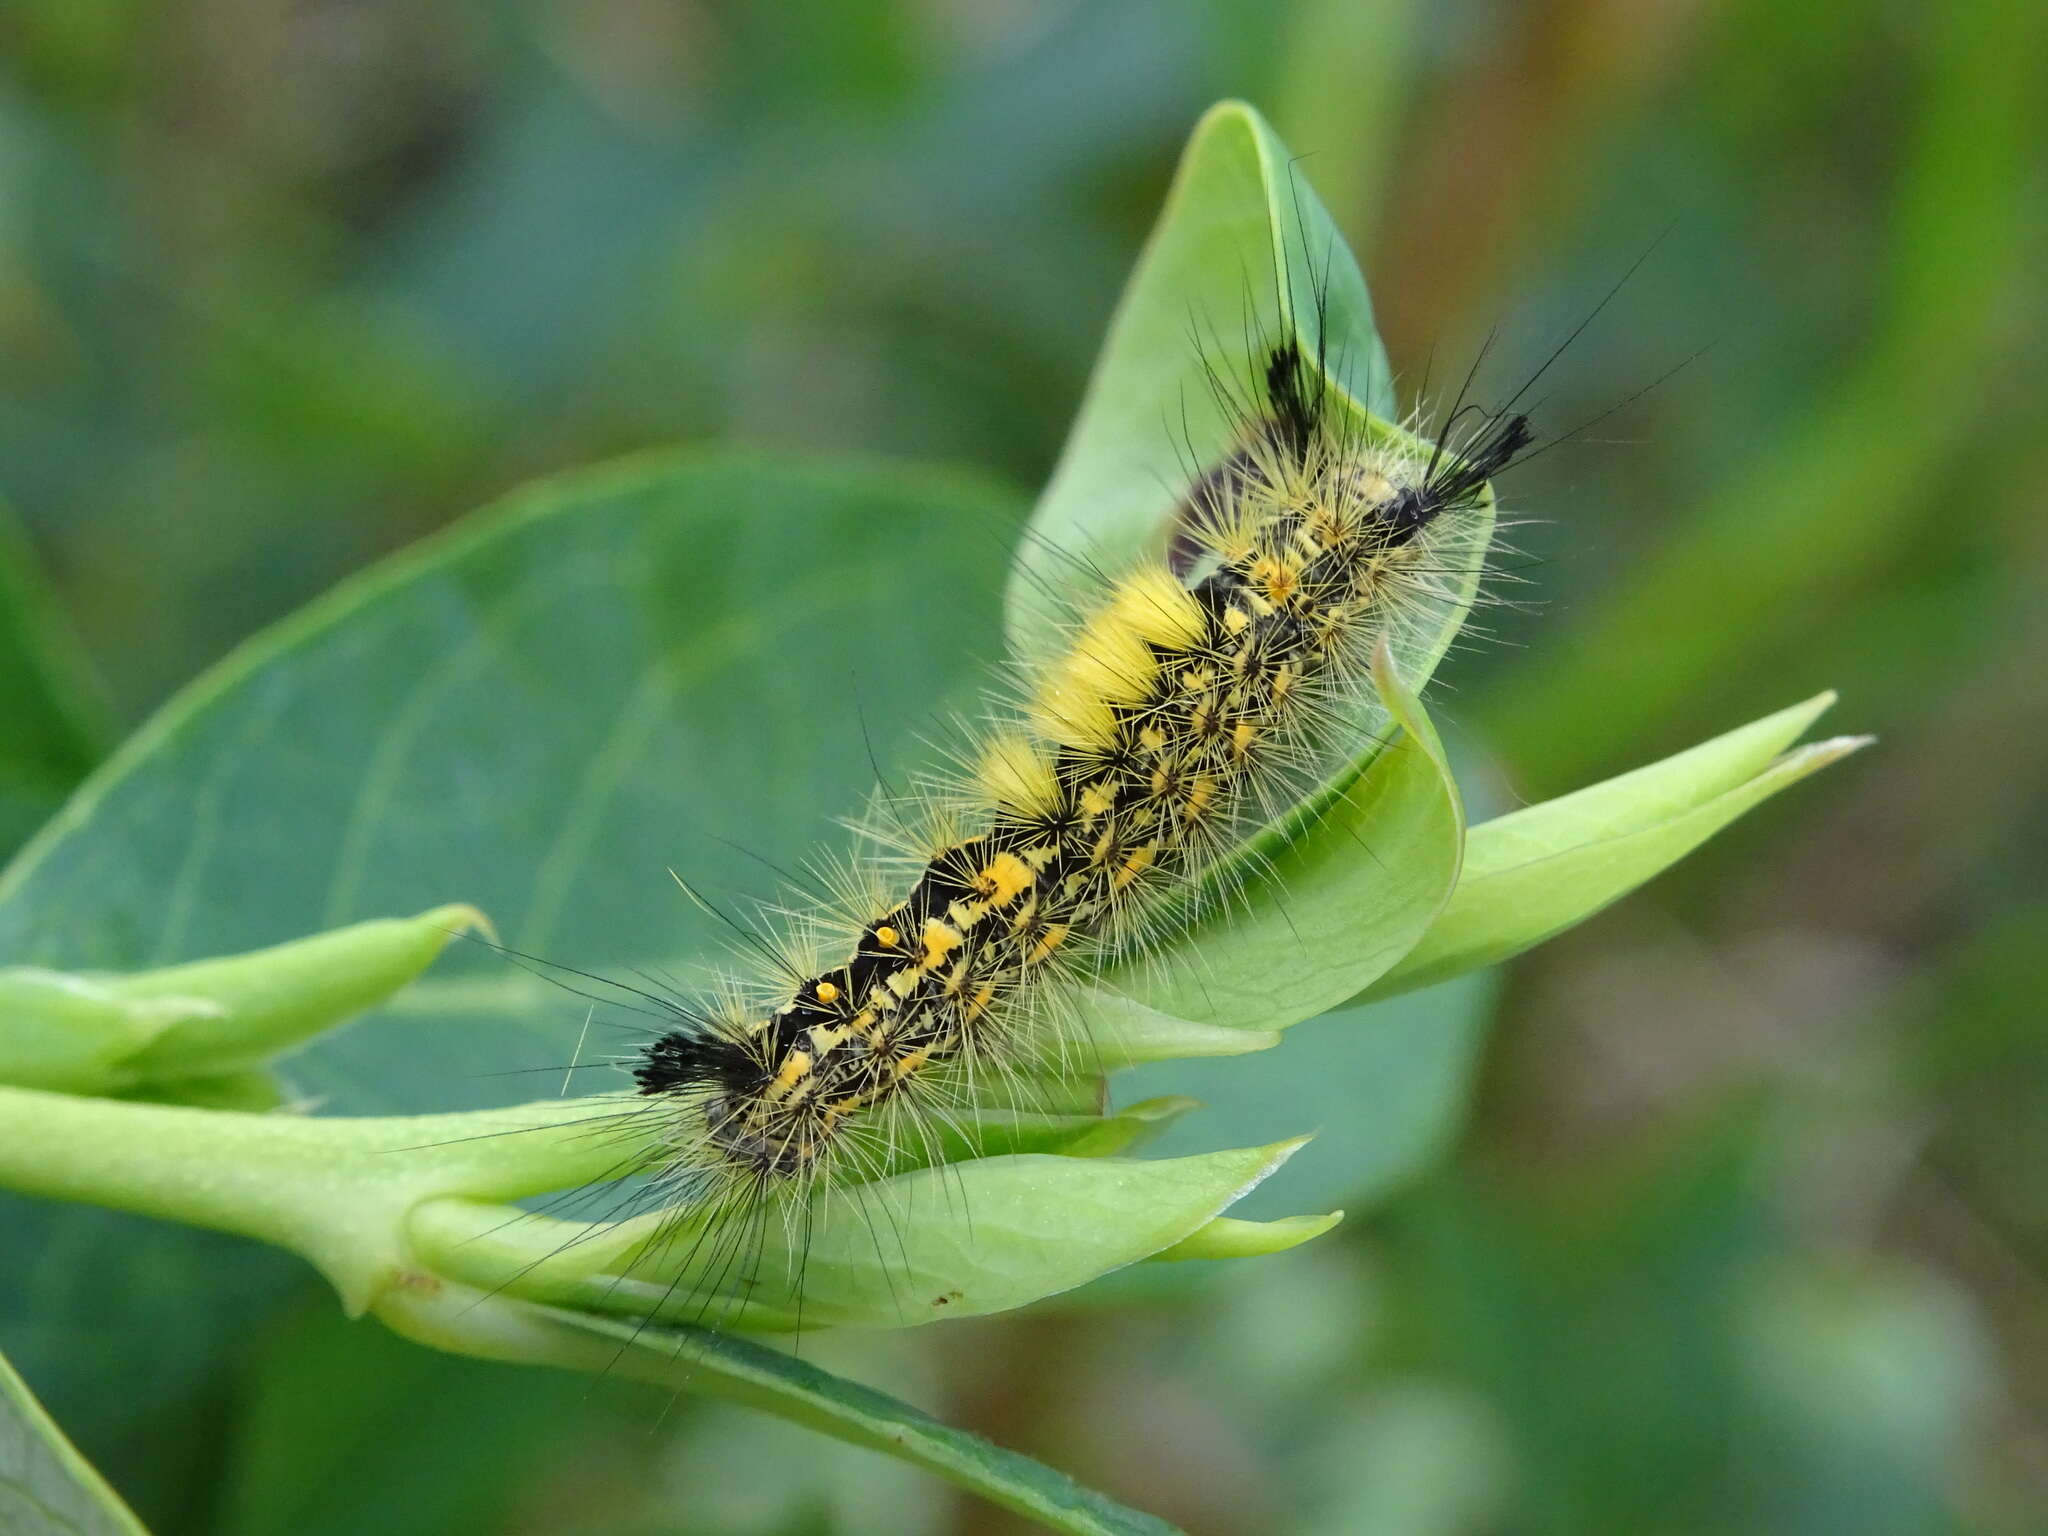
[1185,704]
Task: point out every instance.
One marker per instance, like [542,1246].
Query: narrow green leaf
[46,1487]
[752,1375]
[1537,872]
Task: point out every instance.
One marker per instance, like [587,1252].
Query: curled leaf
[957,1241]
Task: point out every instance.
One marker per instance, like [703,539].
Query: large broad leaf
[640,667]
[678,663]
[46,1487]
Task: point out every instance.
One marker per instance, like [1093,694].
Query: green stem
[336,1191]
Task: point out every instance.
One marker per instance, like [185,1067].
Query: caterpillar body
[1179,708]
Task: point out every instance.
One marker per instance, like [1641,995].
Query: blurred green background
[1749,1226]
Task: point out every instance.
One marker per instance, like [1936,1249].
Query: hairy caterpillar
[1180,713]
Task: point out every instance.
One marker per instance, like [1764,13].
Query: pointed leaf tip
[1532,874]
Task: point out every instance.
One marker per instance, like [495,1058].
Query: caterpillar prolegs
[1183,703]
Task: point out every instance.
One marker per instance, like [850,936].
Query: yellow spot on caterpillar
[795,1068]
[1016,775]
[824,1037]
[1277,577]
[1243,736]
[1200,794]
[1235,620]
[903,982]
[903,1066]
[827,992]
[888,937]
[1004,878]
[1098,799]
[983,995]
[1054,936]
[940,940]
[1135,864]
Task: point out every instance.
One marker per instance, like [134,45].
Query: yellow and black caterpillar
[1153,741]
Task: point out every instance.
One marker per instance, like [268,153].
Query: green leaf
[1227,1237]
[1119,1031]
[209,1021]
[46,1487]
[74,1033]
[1242,250]
[979,1237]
[725,1366]
[1534,873]
[271,999]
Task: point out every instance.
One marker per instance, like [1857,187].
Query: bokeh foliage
[1749,1228]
